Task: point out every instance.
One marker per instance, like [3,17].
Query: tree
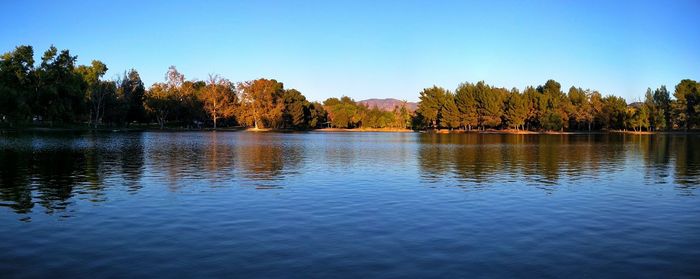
[596,109]
[17,83]
[580,110]
[218,98]
[375,117]
[160,102]
[489,104]
[655,115]
[662,101]
[59,94]
[190,109]
[131,92]
[402,117]
[466,103]
[261,102]
[555,106]
[450,113]
[637,117]
[296,109]
[317,115]
[97,91]
[614,112]
[532,100]
[516,109]
[688,97]
[430,105]
[343,112]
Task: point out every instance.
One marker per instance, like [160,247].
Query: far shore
[389,130]
[152,128]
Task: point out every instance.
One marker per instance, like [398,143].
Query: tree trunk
[161,121]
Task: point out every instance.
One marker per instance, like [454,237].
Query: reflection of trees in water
[265,160]
[175,156]
[665,156]
[15,189]
[51,175]
[655,154]
[687,162]
[222,158]
[218,158]
[547,159]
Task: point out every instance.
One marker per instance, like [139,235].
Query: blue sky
[366,49]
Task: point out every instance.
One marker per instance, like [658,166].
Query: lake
[348,205]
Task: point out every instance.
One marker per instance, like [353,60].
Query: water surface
[320,205]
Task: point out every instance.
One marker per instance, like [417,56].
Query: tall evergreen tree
[466,103]
[430,105]
[688,97]
[516,109]
[450,113]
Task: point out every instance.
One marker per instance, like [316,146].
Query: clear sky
[366,49]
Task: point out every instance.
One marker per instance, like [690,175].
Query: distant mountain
[387,104]
[636,105]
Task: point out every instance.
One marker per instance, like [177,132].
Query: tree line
[547,107]
[346,113]
[57,90]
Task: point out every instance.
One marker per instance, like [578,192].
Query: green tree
[516,109]
[614,112]
[296,109]
[97,92]
[466,103]
[17,84]
[655,115]
[430,105]
[638,117]
[343,112]
[450,113]
[60,89]
[489,104]
[554,106]
[532,100]
[596,108]
[402,117]
[662,101]
[317,115]
[688,98]
[160,102]
[131,92]
[581,113]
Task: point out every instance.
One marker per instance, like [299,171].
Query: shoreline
[361,130]
[340,130]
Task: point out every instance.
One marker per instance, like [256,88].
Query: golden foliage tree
[218,98]
[261,103]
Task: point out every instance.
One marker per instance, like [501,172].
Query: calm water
[321,205]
